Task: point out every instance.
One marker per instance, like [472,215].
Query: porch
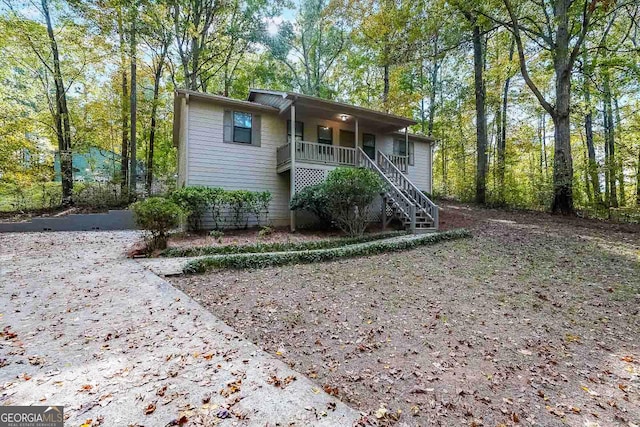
[315,153]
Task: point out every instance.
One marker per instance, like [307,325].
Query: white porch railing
[313,152]
[407,187]
[401,162]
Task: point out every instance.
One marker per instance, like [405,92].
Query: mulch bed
[534,321]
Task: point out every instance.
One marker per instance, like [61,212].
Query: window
[299,131]
[242,127]
[369,145]
[325,135]
[400,149]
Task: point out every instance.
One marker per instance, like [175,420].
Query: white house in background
[238,144]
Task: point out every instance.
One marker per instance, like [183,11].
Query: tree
[566,25]
[310,48]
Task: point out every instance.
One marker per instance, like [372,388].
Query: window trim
[324,139]
[233,136]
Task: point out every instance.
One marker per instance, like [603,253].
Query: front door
[347,139]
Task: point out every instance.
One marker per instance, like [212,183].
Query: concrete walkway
[174,266]
[86,328]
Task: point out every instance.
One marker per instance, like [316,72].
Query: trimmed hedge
[277,246]
[245,261]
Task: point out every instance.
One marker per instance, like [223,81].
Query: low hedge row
[278,246]
[245,261]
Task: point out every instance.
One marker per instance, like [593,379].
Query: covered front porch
[329,133]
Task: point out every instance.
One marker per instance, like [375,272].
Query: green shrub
[244,261]
[265,231]
[157,215]
[216,234]
[240,204]
[313,199]
[350,192]
[278,246]
[260,206]
[194,201]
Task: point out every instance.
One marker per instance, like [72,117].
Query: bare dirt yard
[534,321]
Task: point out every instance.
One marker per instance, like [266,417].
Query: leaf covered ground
[534,321]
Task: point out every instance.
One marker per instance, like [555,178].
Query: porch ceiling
[334,110]
[366,121]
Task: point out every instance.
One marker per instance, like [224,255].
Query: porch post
[292,171]
[357,135]
[406,148]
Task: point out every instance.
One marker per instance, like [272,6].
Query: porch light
[343,117]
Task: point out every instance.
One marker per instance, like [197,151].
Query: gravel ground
[534,321]
[84,327]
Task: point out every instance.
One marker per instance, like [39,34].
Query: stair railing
[402,202]
[403,183]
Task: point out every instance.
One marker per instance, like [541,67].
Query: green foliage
[216,234]
[158,216]
[344,198]
[350,192]
[278,246]
[313,199]
[265,231]
[245,261]
[231,208]
[194,201]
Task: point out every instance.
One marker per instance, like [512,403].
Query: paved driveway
[84,327]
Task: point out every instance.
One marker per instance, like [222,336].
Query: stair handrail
[393,191]
[430,208]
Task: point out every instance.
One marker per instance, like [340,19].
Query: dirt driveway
[84,327]
[534,321]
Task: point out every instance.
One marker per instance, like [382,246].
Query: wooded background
[534,103]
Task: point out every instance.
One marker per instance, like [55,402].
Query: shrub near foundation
[246,261]
[157,215]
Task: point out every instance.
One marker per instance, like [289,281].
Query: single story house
[246,144]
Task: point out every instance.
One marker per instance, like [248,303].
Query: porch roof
[330,110]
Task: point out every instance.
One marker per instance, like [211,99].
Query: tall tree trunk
[154,109]
[610,140]
[620,165]
[134,101]
[63,127]
[592,163]
[502,136]
[562,160]
[638,180]
[385,90]
[481,119]
[432,95]
[124,108]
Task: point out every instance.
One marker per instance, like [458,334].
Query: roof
[336,106]
[418,137]
[279,102]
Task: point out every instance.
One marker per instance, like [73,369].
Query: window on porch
[325,135]
[299,131]
[400,149]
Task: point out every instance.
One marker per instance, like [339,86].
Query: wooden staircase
[402,200]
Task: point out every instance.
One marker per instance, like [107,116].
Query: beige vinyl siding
[214,163]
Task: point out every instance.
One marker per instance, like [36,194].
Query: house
[94,165]
[246,144]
